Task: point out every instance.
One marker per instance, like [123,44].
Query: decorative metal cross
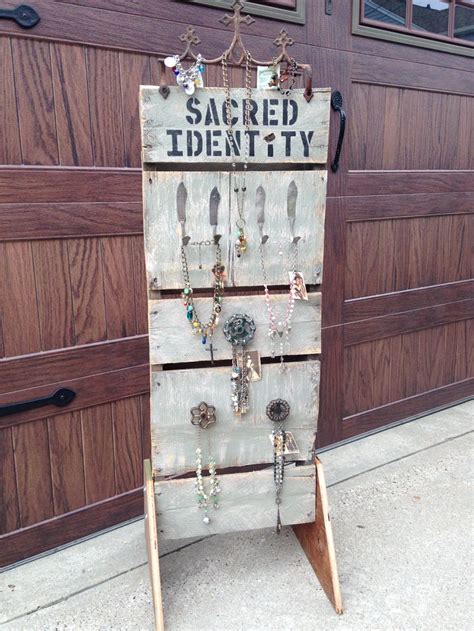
[211,350]
[237,19]
[283,40]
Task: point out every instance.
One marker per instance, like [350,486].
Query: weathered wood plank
[317,541]
[309,225]
[233,440]
[151,536]
[172,341]
[193,129]
[163,230]
[247,501]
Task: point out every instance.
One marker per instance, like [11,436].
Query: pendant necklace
[277,411]
[239,329]
[240,188]
[202,416]
[205,329]
[187,78]
[279,329]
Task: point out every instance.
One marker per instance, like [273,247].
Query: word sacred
[271,120]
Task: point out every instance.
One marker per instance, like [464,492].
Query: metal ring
[240,223]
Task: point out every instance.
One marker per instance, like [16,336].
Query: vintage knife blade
[291,205]
[260,206]
[261,197]
[181,199]
[214,201]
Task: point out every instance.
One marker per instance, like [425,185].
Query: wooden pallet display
[181,375]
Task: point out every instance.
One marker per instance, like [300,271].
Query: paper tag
[299,286]
[254,365]
[264,77]
[290,443]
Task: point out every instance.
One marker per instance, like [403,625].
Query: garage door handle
[60,398]
[24,16]
[336,104]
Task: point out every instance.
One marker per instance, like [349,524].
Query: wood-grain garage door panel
[62,293]
[56,465]
[72,286]
[67,462]
[71,105]
[404,129]
[10,513]
[395,368]
[398,254]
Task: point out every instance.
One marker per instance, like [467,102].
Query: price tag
[290,444]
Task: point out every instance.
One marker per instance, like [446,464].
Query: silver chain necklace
[240,189]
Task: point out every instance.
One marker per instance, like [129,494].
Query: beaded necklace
[279,329]
[277,411]
[204,499]
[206,330]
[188,78]
[202,416]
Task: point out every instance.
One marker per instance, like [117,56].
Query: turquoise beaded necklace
[206,330]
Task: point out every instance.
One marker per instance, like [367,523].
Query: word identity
[274,130]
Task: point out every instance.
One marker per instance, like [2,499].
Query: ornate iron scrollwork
[237,52]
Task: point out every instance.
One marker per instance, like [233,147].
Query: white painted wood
[309,225]
[172,340]
[163,231]
[203,138]
[232,440]
[247,501]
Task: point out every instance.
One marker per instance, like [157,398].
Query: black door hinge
[23,15]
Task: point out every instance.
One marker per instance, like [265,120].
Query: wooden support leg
[151,535]
[315,538]
[317,541]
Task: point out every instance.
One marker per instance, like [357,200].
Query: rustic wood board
[192,128]
[163,230]
[317,541]
[151,536]
[309,225]
[172,340]
[233,440]
[247,501]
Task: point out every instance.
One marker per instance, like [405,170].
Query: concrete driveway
[402,514]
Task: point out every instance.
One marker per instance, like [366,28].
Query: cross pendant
[211,350]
